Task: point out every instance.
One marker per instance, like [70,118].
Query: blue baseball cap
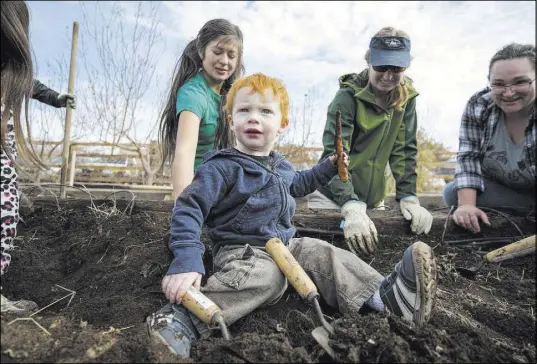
[389,51]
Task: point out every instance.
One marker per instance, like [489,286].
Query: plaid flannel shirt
[477,126]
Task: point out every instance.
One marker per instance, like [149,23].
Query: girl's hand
[175,286]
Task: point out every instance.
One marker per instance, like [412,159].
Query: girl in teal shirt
[192,122]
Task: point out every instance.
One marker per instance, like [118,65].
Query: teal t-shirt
[197,97]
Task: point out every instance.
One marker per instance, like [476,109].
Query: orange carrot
[342,170]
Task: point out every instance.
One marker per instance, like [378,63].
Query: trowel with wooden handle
[519,248]
[304,286]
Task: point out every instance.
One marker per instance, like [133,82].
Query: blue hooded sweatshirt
[240,201]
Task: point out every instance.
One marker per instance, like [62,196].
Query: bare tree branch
[299,134]
[47,122]
[121,67]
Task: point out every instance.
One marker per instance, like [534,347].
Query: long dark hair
[16,77]
[187,67]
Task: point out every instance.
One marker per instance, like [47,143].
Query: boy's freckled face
[256,121]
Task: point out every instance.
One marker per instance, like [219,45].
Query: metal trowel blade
[323,337]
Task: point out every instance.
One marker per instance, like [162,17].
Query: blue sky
[306,44]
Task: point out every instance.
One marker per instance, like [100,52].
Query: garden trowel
[304,286]
[519,248]
[205,309]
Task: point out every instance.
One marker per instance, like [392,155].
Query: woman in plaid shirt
[496,158]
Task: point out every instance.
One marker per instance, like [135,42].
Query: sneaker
[20,308]
[173,326]
[410,291]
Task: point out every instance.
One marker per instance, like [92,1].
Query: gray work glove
[63,99]
[422,220]
[360,232]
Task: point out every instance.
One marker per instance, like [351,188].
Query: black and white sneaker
[173,326]
[410,291]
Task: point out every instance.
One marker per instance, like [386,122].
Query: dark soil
[114,261]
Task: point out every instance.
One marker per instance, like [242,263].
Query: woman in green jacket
[379,124]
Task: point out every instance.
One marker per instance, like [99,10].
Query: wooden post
[68,112]
[72,166]
[150,176]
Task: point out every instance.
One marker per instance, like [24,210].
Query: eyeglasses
[393,69]
[518,87]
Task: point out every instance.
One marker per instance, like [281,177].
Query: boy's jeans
[246,278]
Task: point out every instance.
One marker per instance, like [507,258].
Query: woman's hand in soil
[468,217]
[175,286]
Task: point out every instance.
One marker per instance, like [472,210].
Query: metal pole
[68,112]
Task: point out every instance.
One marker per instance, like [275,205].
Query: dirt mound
[382,338]
[114,261]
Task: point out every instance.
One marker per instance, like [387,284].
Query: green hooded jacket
[372,137]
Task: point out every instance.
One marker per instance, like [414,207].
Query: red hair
[260,83]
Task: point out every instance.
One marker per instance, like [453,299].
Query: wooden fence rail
[130,171]
[112,164]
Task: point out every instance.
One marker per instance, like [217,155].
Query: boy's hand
[333,159]
[175,286]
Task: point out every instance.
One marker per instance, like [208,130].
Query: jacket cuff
[399,196]
[326,171]
[349,205]
[339,192]
[186,260]
[56,101]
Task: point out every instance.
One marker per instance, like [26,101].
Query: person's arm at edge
[44,94]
